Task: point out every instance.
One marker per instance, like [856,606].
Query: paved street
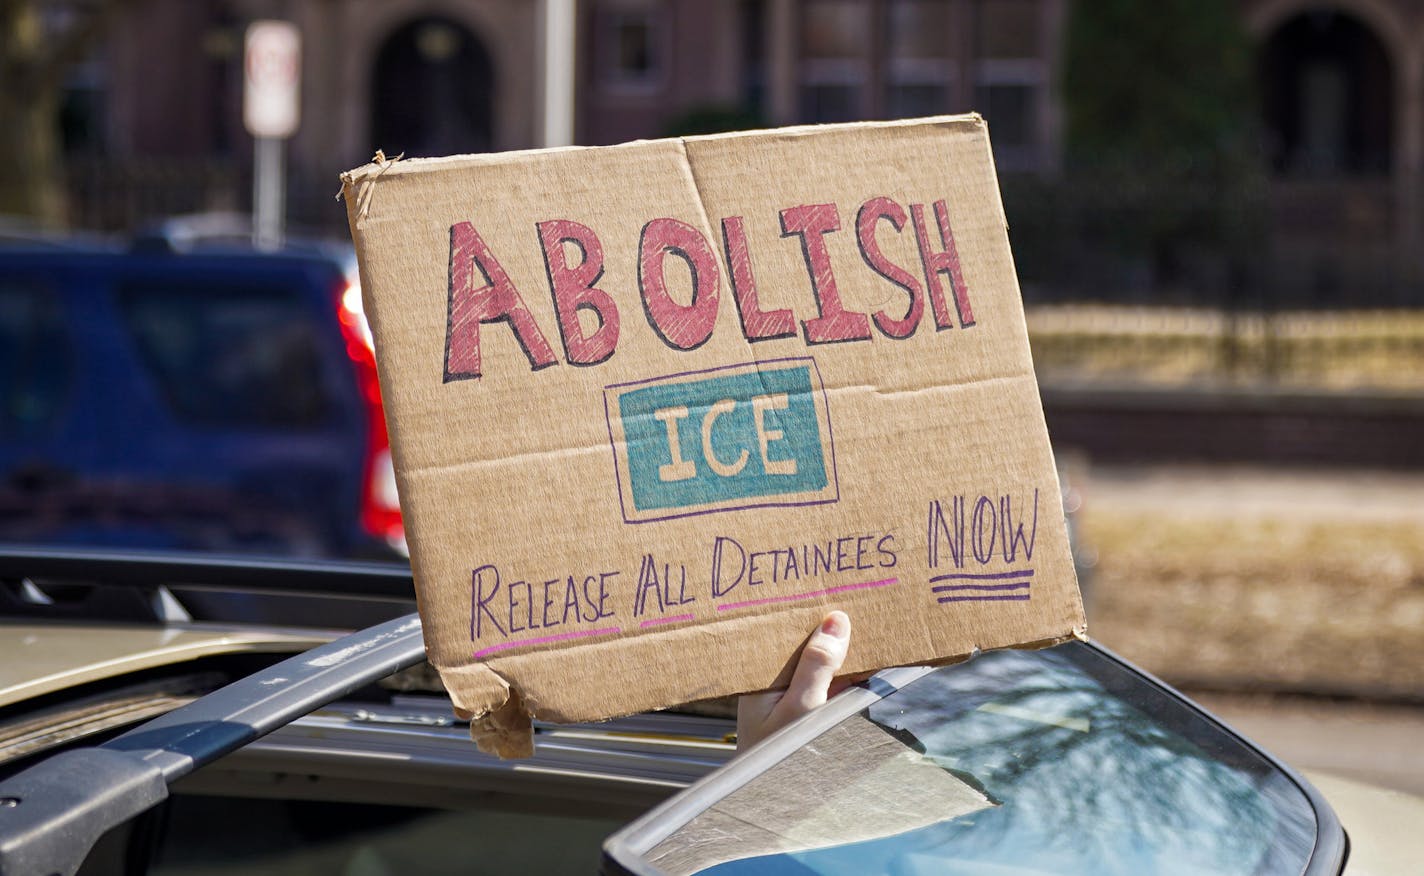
[1378,744]
[1293,493]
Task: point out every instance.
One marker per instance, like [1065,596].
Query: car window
[272,837]
[1058,761]
[36,358]
[230,356]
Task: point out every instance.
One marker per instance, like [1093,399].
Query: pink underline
[728,606]
[578,634]
[671,619]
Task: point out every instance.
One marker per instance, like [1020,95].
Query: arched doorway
[432,91]
[1328,94]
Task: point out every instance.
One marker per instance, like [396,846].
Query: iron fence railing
[121,195]
[1289,284]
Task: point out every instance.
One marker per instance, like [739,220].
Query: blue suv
[208,397]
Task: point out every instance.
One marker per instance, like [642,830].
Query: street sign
[272,80]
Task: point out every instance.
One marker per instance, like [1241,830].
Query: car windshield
[1056,761]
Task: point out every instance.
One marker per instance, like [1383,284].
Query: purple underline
[965,576]
[542,640]
[671,619]
[1017,585]
[1016,598]
[795,596]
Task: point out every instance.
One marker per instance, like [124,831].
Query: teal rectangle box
[697,441]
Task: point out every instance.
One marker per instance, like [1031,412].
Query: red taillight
[380,506]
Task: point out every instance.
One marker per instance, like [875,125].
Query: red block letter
[946,261]
[683,327]
[495,301]
[573,290]
[757,325]
[811,223]
[873,211]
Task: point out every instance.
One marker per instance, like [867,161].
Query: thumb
[821,659]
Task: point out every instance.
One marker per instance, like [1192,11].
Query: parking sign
[273,65]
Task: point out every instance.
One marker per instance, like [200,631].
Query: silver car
[154,720]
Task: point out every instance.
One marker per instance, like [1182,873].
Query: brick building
[438,76]
[1341,85]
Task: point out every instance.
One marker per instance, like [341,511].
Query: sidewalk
[1376,744]
[1260,492]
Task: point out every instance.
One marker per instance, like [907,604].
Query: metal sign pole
[271,110]
[269,186]
[559,44]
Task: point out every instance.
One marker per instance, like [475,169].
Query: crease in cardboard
[714,234]
[929,388]
[696,189]
[501,710]
[832,391]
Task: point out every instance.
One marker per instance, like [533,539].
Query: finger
[845,681]
[821,659]
[753,710]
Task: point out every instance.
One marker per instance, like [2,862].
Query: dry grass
[1307,602]
[1176,346]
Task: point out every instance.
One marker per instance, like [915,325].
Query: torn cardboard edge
[409,263]
[360,182]
[501,723]
[378,164]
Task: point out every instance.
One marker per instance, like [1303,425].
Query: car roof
[203,234]
[120,612]
[156,253]
[43,658]
[66,802]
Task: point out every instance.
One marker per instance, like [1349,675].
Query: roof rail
[54,812]
[84,584]
[389,581]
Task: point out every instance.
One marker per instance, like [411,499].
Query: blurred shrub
[1163,190]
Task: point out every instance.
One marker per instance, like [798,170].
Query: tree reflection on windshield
[1094,771]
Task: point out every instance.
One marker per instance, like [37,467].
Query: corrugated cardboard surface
[897,456]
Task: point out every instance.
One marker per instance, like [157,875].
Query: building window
[631,37]
[1010,28]
[1011,80]
[1008,94]
[1328,96]
[869,59]
[919,69]
[753,49]
[835,69]
[888,59]
[432,91]
[83,102]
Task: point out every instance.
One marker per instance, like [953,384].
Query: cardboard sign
[656,408]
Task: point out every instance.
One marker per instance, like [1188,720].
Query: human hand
[813,682]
